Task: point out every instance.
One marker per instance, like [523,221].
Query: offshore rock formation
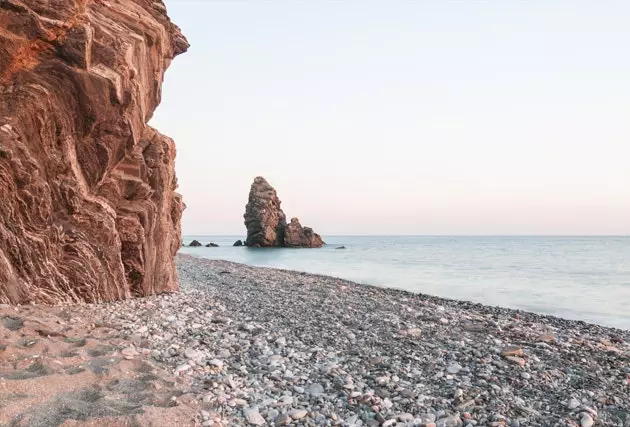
[264,218]
[296,236]
[89,210]
[267,224]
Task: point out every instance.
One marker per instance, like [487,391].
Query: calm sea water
[582,278]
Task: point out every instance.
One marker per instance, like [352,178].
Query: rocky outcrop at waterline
[267,224]
[89,210]
[296,236]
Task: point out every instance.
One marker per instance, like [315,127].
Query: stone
[405,418]
[452,421]
[283,420]
[238,243]
[315,389]
[212,245]
[195,244]
[89,210]
[267,225]
[340,247]
[512,351]
[546,338]
[411,332]
[253,417]
[586,421]
[573,403]
[516,360]
[453,368]
[298,414]
[297,236]
[216,362]
[264,218]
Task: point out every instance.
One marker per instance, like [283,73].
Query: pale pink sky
[405,117]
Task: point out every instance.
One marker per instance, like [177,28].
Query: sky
[401,117]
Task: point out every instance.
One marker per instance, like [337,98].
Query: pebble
[253,416]
[452,421]
[315,389]
[586,421]
[298,414]
[453,368]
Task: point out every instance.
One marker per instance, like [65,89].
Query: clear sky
[401,117]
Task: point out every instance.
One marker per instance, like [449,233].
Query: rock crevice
[90,211]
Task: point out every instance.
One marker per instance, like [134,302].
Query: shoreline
[243,346]
[467,303]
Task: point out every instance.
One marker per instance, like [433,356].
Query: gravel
[261,346]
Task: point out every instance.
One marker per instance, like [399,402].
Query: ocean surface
[581,278]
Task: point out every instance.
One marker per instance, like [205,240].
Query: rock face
[267,224]
[264,218]
[89,210]
[296,236]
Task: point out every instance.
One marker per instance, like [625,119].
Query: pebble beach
[250,346]
[263,346]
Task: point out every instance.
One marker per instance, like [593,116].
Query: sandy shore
[257,346]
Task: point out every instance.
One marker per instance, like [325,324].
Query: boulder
[238,243]
[195,244]
[340,247]
[212,245]
[296,236]
[264,218]
[88,208]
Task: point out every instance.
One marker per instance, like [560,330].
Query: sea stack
[267,224]
[264,218]
[89,210]
[296,236]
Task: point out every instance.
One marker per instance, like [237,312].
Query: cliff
[89,210]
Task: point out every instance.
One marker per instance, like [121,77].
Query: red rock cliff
[88,208]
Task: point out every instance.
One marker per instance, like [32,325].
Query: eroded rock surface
[264,218]
[296,236]
[89,210]
[267,224]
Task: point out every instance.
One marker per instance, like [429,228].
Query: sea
[579,278]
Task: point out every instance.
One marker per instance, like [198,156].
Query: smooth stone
[452,421]
[283,420]
[573,403]
[298,414]
[315,389]
[253,416]
[454,368]
[586,421]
